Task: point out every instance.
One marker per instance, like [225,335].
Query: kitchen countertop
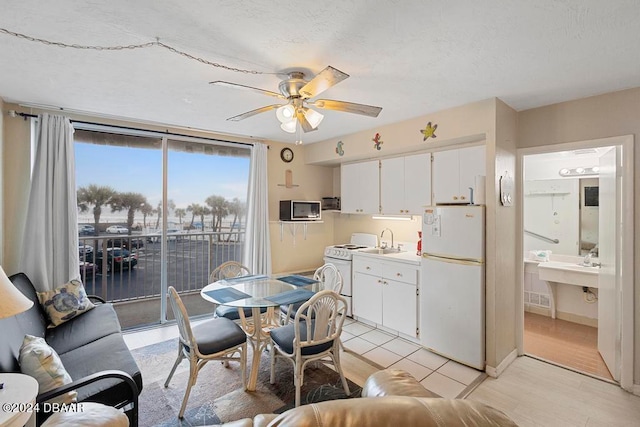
[405,257]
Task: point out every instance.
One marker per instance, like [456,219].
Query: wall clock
[286,155]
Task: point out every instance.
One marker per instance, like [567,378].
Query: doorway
[580,319]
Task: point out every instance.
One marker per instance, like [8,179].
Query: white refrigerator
[452,295]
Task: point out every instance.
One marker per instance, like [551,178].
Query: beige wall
[501,241]
[467,123]
[293,252]
[603,116]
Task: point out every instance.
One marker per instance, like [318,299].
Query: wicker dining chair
[215,339]
[228,270]
[329,278]
[314,335]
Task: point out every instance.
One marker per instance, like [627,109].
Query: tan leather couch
[389,398]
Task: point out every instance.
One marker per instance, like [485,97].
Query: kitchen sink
[380,251]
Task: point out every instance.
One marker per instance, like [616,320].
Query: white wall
[551,208]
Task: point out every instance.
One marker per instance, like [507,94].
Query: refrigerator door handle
[461,261]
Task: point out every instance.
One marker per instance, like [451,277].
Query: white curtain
[50,244]
[257,248]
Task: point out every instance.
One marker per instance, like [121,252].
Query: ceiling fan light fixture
[313,117]
[285,113]
[289,126]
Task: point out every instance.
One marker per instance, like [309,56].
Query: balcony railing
[135,272]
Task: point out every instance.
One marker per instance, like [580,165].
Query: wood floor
[565,343]
[535,393]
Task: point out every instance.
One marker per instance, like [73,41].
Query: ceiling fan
[298,92]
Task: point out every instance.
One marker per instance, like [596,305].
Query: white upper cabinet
[405,184]
[455,171]
[360,187]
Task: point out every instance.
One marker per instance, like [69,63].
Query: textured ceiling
[409,57]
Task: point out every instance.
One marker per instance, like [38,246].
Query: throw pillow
[38,360]
[65,302]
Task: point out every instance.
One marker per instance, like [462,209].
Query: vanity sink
[380,251]
[570,273]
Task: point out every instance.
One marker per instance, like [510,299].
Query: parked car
[117,229]
[83,250]
[172,234]
[86,230]
[128,243]
[117,259]
[87,269]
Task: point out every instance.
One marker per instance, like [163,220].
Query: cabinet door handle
[384,282]
[399,274]
[368,268]
[462,197]
[379,281]
[455,197]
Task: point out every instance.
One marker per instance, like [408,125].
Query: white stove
[341,255]
[343,252]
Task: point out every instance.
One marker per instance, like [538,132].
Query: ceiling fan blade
[304,123]
[347,107]
[249,88]
[254,112]
[322,81]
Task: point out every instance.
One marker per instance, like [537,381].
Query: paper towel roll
[479,191]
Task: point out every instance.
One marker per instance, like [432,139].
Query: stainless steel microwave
[300,210]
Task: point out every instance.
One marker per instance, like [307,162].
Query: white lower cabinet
[386,293]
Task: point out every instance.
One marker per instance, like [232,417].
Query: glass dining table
[263,294]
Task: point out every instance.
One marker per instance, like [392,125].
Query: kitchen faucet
[382,234]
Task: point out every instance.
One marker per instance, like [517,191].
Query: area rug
[218,395]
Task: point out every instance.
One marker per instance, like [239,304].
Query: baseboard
[496,372]
[636,389]
[576,318]
[562,315]
[535,309]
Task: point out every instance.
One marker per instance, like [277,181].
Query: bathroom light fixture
[565,172]
[393,217]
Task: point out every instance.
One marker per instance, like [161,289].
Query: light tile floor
[440,375]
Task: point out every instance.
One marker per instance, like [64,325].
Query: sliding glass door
[156,211]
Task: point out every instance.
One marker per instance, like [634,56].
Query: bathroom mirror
[561,202]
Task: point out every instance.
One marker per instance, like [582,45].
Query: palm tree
[219,208]
[146,210]
[203,212]
[96,196]
[180,213]
[195,209]
[131,202]
[158,210]
[237,209]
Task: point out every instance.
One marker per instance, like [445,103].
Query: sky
[192,177]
